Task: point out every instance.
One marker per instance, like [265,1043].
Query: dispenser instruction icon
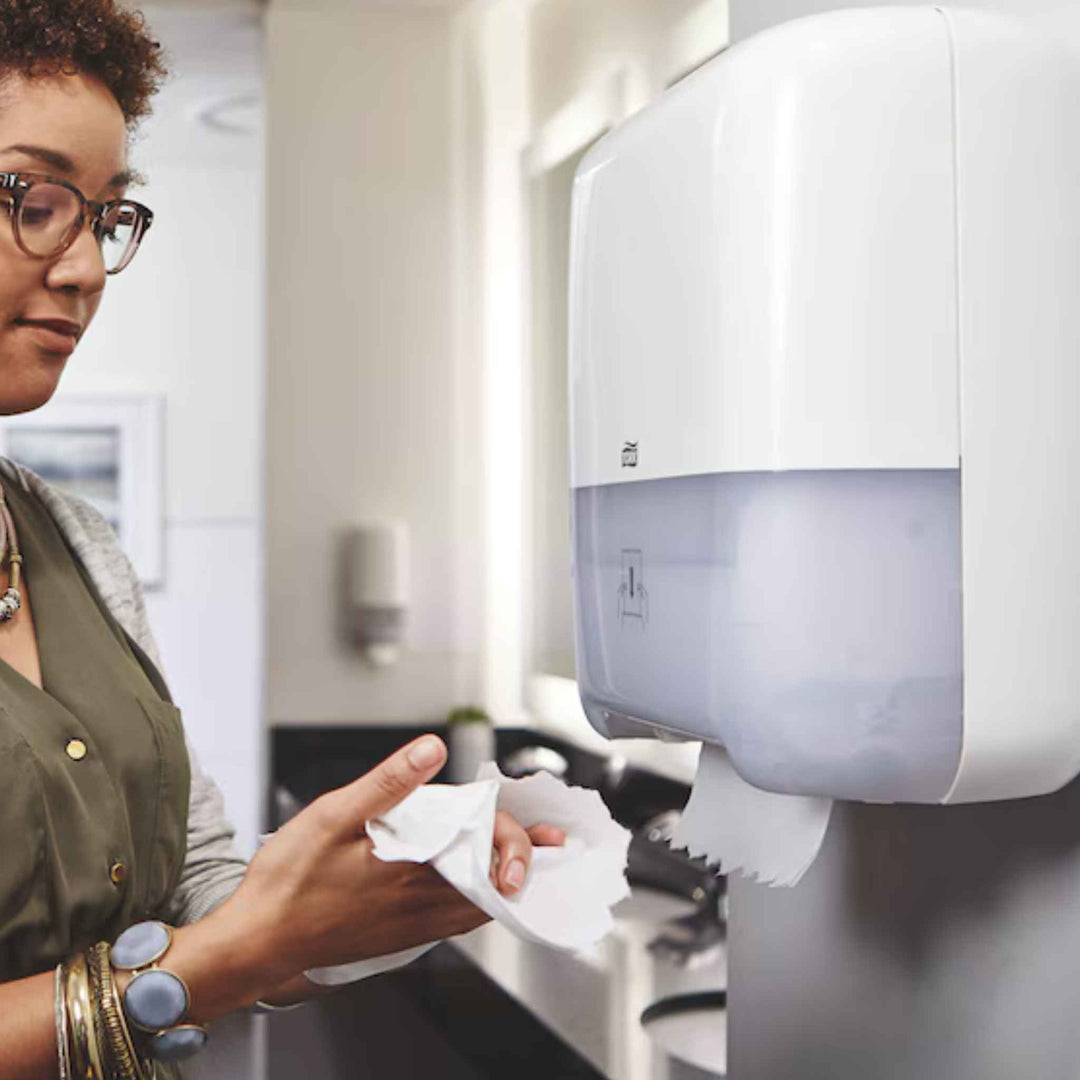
[633,598]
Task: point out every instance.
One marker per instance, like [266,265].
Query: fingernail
[515,874]
[427,752]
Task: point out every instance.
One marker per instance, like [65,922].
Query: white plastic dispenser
[825,367]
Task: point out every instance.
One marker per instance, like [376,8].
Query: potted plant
[471,742]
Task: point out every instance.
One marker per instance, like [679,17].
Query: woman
[105,820]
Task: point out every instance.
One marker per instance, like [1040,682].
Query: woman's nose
[81,267]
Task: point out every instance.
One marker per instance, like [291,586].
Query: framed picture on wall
[108,451]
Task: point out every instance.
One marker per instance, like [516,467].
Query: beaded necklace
[11,601]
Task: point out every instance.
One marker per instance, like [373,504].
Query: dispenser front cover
[808,621]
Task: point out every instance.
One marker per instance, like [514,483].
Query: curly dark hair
[92,37]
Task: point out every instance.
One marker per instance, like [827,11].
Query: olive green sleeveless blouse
[94,773]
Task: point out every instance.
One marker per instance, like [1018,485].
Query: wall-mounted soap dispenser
[825,366]
[375,594]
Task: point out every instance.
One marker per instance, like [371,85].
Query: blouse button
[117,873]
[76,749]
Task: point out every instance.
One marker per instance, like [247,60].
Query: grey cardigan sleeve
[212,868]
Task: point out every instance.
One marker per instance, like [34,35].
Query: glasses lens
[49,213]
[120,232]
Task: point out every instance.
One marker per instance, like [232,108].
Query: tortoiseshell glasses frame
[47,215]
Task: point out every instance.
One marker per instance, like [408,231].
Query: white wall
[365,417]
[185,321]
[398,325]
[574,45]
[926,942]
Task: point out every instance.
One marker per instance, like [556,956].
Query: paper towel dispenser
[825,381]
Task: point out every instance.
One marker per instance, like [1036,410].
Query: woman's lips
[53,335]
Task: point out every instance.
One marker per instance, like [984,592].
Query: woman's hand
[323,897]
[513,850]
[315,894]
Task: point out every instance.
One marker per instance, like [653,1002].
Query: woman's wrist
[225,969]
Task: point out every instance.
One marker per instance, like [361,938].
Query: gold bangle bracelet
[86,1063]
[117,1008]
[94,979]
[60,1020]
[124,1060]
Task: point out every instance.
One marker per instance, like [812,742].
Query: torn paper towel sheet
[772,838]
[569,892]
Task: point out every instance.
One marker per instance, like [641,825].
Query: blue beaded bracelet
[156,1000]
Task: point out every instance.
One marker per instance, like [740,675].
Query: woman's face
[69,127]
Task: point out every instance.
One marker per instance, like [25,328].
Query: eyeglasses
[47,216]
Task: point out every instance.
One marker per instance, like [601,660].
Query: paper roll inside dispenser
[824,400]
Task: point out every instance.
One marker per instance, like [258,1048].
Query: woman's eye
[34,217]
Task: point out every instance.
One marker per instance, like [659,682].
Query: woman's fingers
[546,836]
[513,850]
[513,853]
[373,794]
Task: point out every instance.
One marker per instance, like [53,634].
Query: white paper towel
[569,891]
[771,838]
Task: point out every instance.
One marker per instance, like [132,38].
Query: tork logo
[629,455]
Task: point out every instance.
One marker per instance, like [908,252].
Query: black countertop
[308,761]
